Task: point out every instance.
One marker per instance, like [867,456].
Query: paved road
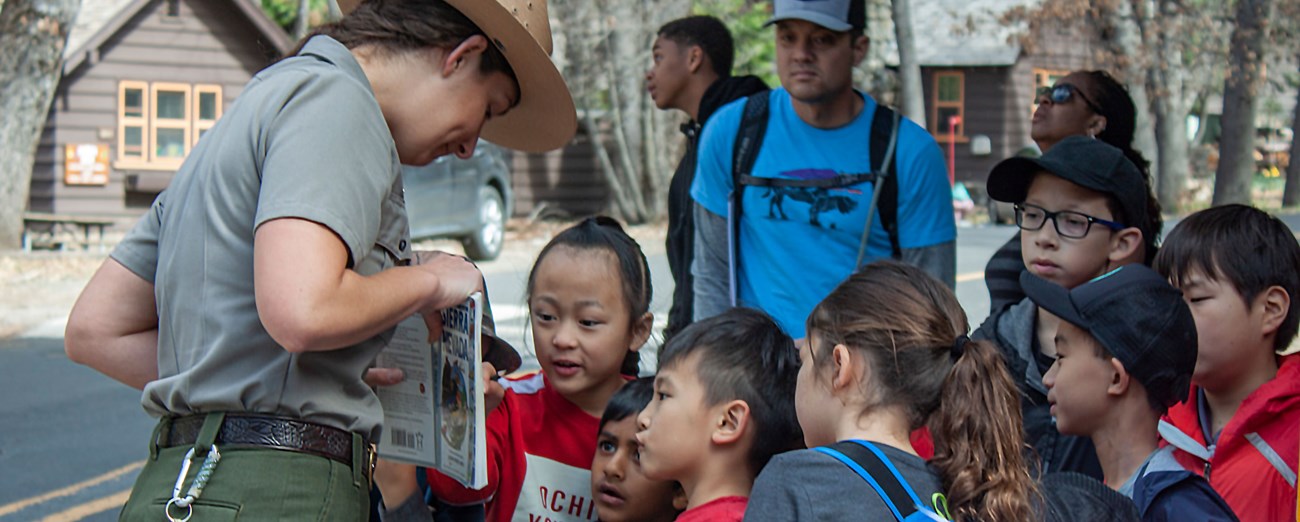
[71,440]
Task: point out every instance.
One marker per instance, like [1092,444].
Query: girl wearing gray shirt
[887,354]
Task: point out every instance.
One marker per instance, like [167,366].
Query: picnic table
[61,230]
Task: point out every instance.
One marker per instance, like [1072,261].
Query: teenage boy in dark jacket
[691,72]
[1082,207]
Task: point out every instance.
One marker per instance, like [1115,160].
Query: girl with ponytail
[886,354]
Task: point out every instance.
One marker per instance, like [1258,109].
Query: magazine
[434,417]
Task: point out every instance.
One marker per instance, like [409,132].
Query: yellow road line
[22,504]
[93,507]
[970,276]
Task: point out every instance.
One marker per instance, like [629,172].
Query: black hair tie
[959,346]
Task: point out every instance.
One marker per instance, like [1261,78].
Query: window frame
[201,124]
[940,129]
[149,123]
[124,121]
[183,124]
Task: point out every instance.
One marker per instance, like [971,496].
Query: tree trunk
[33,34]
[1168,75]
[334,12]
[629,42]
[1291,195]
[1128,45]
[1240,90]
[913,102]
[302,24]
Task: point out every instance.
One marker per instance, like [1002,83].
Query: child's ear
[694,59]
[1119,378]
[1124,246]
[1276,303]
[845,367]
[731,423]
[641,329]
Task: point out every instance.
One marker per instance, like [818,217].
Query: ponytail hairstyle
[1121,124]
[911,332]
[604,233]
[394,27]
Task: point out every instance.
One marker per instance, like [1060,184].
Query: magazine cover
[435,416]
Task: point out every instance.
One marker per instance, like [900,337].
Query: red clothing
[725,509]
[1258,486]
[540,447]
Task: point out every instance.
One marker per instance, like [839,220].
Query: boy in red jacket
[1240,427]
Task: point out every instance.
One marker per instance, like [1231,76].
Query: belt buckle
[371,457]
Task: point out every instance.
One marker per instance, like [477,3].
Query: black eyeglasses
[1074,225]
[1062,92]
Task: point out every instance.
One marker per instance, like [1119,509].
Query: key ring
[189,510]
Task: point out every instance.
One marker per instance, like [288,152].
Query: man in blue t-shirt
[796,243]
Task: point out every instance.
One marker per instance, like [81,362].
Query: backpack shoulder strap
[749,139]
[869,463]
[884,143]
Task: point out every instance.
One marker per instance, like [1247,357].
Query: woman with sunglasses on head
[250,300]
[1082,103]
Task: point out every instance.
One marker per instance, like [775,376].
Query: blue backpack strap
[865,459]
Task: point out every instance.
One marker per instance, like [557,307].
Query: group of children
[889,410]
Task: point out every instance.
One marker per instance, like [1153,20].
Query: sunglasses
[1061,93]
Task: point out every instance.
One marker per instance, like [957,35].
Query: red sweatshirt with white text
[539,447]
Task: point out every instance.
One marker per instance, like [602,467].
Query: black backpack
[749,139]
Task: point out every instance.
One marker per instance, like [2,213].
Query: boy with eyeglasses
[1083,208]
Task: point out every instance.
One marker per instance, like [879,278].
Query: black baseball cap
[1138,317]
[1087,162]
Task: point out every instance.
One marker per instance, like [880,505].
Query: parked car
[466,199]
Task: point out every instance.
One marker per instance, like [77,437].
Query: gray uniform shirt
[306,139]
[810,485]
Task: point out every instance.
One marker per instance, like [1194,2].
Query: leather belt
[265,431]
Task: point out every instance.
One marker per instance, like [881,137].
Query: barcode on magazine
[402,438]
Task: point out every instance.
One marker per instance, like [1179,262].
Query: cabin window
[949,102]
[159,122]
[207,107]
[132,119]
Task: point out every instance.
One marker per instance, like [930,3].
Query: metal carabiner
[180,479]
[196,489]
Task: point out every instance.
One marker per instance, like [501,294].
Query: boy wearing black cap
[1123,357]
[1096,202]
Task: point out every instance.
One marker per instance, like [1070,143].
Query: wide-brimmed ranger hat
[545,117]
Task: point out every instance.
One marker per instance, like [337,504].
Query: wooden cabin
[142,81]
[974,67]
